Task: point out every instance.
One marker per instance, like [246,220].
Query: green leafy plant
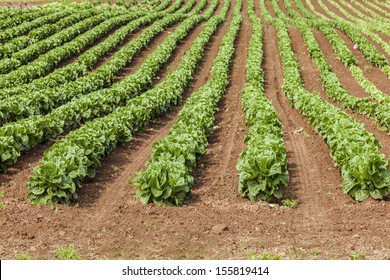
[68,253]
[292,203]
[167,178]
[364,170]
[263,256]
[263,164]
[357,256]
[76,156]
[23,256]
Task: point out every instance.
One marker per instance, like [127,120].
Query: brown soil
[331,8]
[383,7]
[270,9]
[140,57]
[312,81]
[374,74]
[317,7]
[70,60]
[103,60]
[108,221]
[294,5]
[380,13]
[345,77]
[362,11]
[352,13]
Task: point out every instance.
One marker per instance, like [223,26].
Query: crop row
[376,7]
[343,54]
[51,51]
[76,156]
[25,134]
[379,111]
[20,18]
[263,164]
[363,169]
[373,15]
[373,24]
[85,61]
[363,28]
[36,34]
[167,179]
[80,67]
[25,27]
[28,132]
[43,101]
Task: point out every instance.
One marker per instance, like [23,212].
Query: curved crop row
[376,7]
[380,25]
[97,138]
[263,164]
[364,170]
[343,54]
[342,51]
[25,134]
[46,62]
[33,51]
[8,13]
[363,28]
[29,16]
[25,27]
[167,179]
[12,46]
[378,111]
[43,101]
[369,10]
[81,66]
[367,49]
[201,5]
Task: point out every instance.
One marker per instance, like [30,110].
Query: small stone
[61,233]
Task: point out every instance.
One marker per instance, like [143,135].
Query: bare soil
[108,221]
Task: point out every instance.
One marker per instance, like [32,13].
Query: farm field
[195,129]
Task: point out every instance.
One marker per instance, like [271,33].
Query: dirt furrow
[346,79]
[374,74]
[108,221]
[16,190]
[323,210]
[332,9]
[217,179]
[380,13]
[106,58]
[313,176]
[312,80]
[351,12]
[270,9]
[73,58]
[317,8]
[349,43]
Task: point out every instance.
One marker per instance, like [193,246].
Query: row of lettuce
[262,166]
[23,135]
[76,156]
[45,55]
[168,178]
[43,95]
[377,109]
[87,60]
[111,116]
[364,170]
